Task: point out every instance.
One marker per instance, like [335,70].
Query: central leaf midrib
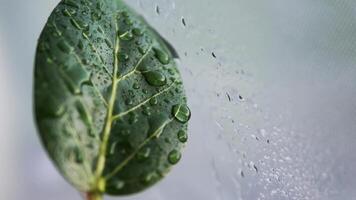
[109,118]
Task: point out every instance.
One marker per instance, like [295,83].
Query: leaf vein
[117,116]
[140,146]
[75,54]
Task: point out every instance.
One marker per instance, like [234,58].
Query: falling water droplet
[181,112]
[174,156]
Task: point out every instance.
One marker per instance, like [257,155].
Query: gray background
[291,136]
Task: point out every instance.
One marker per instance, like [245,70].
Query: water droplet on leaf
[64,47]
[174,156]
[155,78]
[181,112]
[126,36]
[182,136]
[161,56]
[153,101]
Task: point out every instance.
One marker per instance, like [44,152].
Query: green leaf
[109,100]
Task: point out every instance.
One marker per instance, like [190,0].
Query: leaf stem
[93,196]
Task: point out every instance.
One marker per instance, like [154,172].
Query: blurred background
[271,85]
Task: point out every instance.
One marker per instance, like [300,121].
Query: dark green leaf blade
[109,100]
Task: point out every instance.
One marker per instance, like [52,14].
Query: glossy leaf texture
[109,100]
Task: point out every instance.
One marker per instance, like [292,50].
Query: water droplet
[75,24]
[136,86]
[133,118]
[108,43]
[123,56]
[228,96]
[137,32]
[157,10]
[126,36]
[84,114]
[129,102]
[161,56]
[95,16]
[82,24]
[128,21]
[75,155]
[144,153]
[174,156]
[149,177]
[156,122]
[142,49]
[183,21]
[125,13]
[145,91]
[153,101]
[113,147]
[171,71]
[213,54]
[64,47]
[146,111]
[155,78]
[181,112]
[76,76]
[125,132]
[182,136]
[99,5]
[80,45]
[54,107]
[68,13]
[71,3]
[119,184]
